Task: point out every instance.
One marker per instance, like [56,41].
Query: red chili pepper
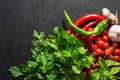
[88,17]
[92,37]
[90,24]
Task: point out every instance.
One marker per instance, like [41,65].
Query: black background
[19,18]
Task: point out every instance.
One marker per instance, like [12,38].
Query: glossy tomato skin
[105,38]
[98,38]
[94,46]
[106,45]
[100,43]
[108,51]
[115,45]
[99,52]
[77,34]
[116,51]
[116,58]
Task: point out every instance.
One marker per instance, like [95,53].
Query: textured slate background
[19,18]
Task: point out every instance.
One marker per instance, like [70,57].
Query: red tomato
[94,66]
[90,71]
[111,48]
[106,45]
[94,46]
[110,56]
[115,45]
[77,34]
[98,38]
[117,58]
[99,52]
[108,51]
[84,73]
[116,51]
[104,32]
[100,43]
[105,38]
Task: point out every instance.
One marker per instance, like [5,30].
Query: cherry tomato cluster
[106,48]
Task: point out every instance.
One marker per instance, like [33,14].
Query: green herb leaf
[87,61]
[82,50]
[102,64]
[51,76]
[66,53]
[95,76]
[38,36]
[32,64]
[115,70]
[55,30]
[64,34]
[76,69]
[16,72]
[112,63]
[52,45]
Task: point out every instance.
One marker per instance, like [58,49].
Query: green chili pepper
[97,30]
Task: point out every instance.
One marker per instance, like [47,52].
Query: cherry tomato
[104,32]
[99,52]
[100,43]
[84,73]
[108,51]
[90,71]
[105,38]
[116,51]
[94,46]
[115,45]
[111,48]
[77,34]
[116,58]
[106,45]
[98,38]
[110,56]
[93,66]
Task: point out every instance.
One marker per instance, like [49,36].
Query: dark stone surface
[19,18]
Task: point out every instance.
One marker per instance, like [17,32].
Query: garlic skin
[107,14]
[114,33]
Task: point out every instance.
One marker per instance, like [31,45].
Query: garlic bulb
[107,14]
[114,33]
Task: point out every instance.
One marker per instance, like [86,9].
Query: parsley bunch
[56,56]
